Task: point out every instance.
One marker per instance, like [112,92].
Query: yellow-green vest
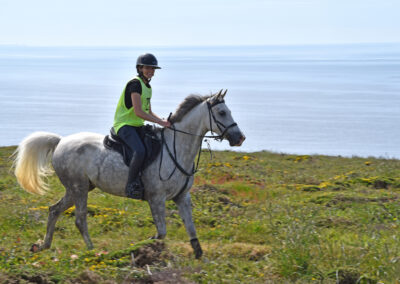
[124,116]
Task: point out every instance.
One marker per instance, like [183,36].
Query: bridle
[222,128]
[217,122]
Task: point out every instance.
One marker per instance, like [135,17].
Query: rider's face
[148,71]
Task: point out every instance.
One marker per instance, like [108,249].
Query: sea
[338,100]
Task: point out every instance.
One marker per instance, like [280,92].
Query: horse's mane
[188,103]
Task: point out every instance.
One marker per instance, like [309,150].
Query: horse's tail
[32,161]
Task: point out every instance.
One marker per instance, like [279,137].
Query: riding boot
[134,187]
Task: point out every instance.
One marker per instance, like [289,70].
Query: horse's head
[221,121]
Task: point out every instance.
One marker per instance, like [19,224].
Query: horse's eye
[222,113]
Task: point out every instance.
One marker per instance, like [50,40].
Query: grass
[261,218]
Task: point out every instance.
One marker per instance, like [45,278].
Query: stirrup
[135,190]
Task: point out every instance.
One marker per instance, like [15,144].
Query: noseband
[222,128]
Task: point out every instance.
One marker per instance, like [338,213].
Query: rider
[132,110]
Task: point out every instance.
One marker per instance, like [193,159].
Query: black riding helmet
[147,59]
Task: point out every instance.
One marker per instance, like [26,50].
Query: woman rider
[132,110]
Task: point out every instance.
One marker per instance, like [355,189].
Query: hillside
[261,218]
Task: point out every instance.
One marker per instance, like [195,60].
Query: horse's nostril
[240,140]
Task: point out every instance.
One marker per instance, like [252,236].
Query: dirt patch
[380,184]
[149,254]
[86,277]
[89,277]
[169,276]
[349,276]
[39,279]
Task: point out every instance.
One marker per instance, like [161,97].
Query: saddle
[149,138]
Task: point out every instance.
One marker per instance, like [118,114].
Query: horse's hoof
[198,252]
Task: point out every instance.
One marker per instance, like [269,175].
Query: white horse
[82,163]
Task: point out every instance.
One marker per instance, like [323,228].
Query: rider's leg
[130,135]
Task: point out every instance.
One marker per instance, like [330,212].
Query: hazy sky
[205,22]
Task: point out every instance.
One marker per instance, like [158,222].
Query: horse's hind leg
[81,197]
[78,187]
[54,212]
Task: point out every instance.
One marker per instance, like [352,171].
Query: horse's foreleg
[80,215]
[54,212]
[185,211]
[157,206]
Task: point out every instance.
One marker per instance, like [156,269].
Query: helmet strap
[140,73]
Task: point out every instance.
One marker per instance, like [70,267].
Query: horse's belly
[169,188]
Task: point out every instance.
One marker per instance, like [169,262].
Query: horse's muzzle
[236,139]
[242,138]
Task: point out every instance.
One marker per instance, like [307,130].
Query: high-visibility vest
[124,116]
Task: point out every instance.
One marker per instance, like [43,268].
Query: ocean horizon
[299,99]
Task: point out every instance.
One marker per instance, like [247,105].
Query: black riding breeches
[130,135]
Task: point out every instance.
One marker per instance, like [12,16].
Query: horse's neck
[187,146]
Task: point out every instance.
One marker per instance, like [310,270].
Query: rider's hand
[165,123]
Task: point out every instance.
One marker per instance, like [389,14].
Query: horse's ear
[223,95]
[219,95]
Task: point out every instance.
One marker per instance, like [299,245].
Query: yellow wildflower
[324,184]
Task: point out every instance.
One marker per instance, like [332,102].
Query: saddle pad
[150,140]
[111,144]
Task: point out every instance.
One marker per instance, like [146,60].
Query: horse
[82,163]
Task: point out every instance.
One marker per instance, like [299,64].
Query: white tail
[32,162]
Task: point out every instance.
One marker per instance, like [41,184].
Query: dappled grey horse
[82,163]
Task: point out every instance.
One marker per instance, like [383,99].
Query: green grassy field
[261,218]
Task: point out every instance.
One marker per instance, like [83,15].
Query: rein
[174,156]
